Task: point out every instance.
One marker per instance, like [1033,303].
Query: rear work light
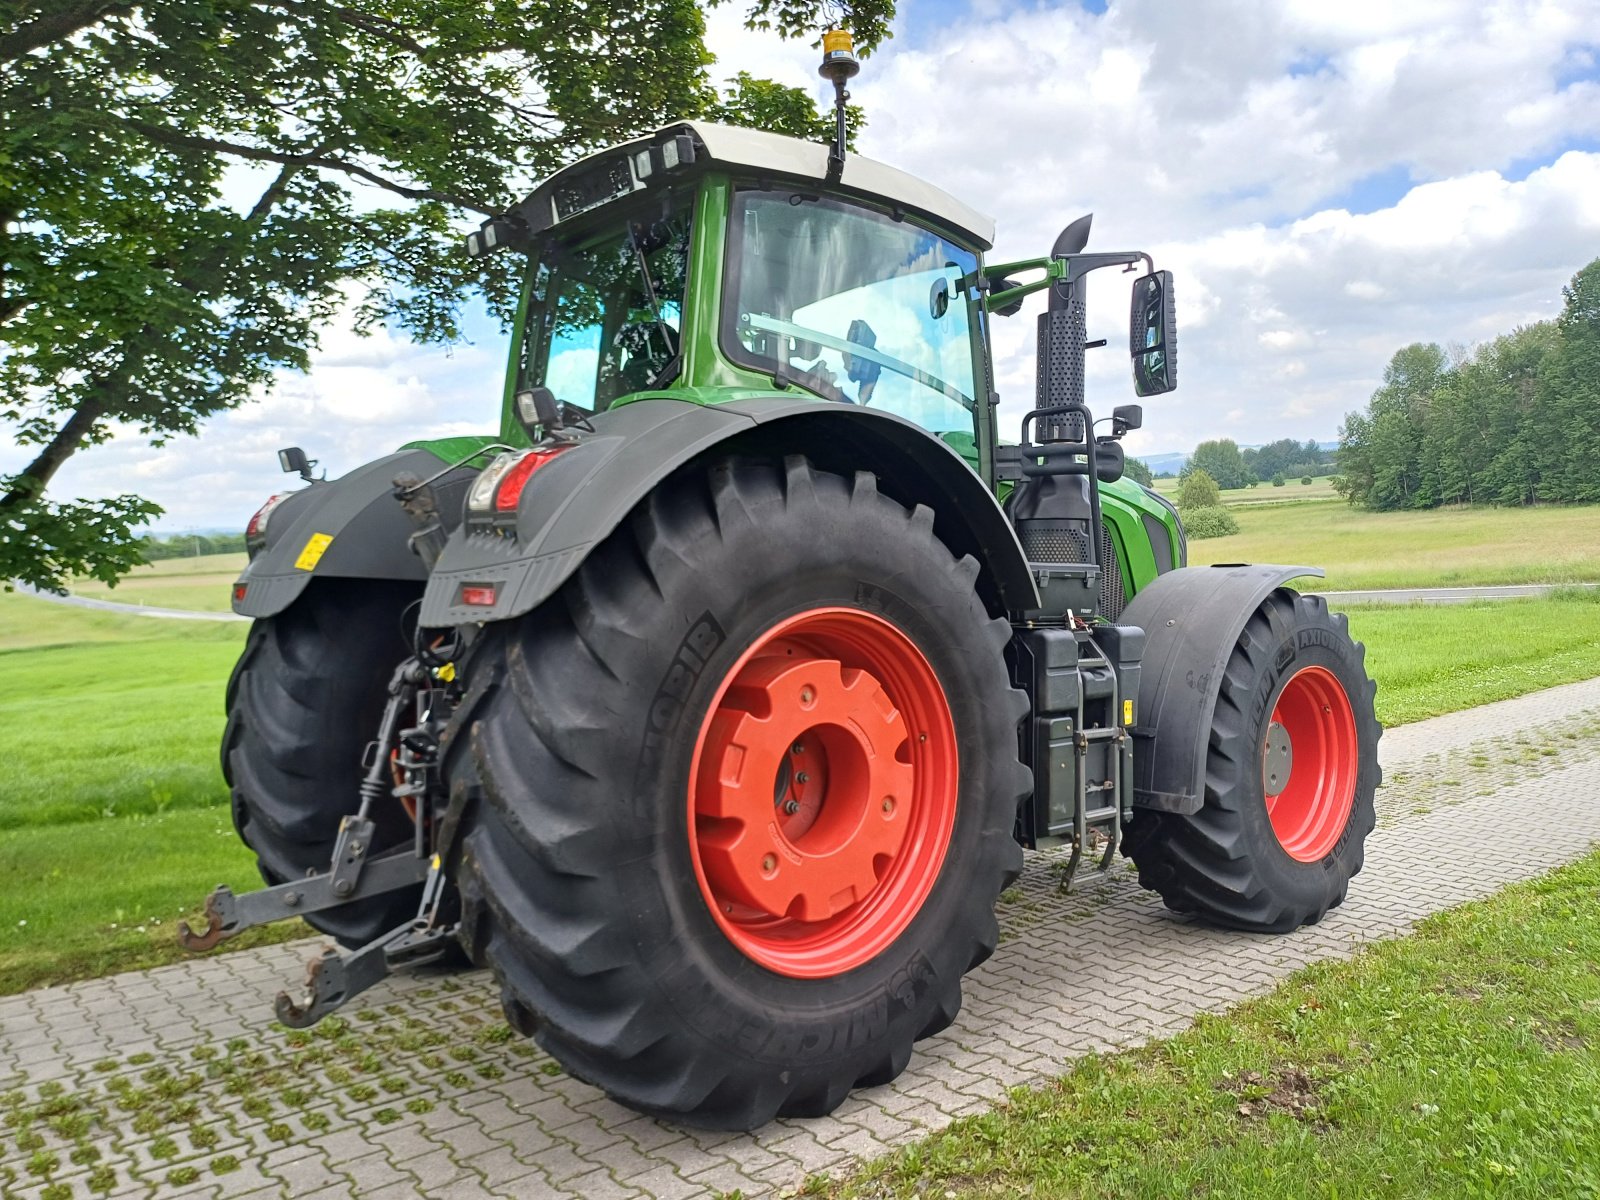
[478,595]
[499,488]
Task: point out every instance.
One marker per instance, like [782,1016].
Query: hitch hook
[222,922]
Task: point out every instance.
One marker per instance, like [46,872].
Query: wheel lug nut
[799,748]
[791,806]
[888,804]
[807,695]
[769,864]
[802,777]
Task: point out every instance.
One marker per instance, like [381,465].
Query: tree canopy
[1222,461]
[1515,421]
[189,189]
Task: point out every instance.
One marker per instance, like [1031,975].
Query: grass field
[1461,1061]
[1264,493]
[1439,548]
[112,807]
[194,583]
[1432,659]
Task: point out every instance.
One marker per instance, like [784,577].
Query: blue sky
[1328,181]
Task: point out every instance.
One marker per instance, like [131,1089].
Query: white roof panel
[754,150]
[758,150]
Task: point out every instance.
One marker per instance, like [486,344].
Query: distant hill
[1171,463]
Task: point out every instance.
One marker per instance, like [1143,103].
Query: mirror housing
[1125,417]
[292,460]
[1153,334]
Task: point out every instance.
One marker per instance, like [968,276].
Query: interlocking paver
[444,1114]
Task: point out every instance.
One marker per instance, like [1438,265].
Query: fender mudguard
[350,527]
[575,501]
[1192,618]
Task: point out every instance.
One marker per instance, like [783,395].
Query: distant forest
[1515,421]
[190,545]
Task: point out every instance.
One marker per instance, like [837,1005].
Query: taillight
[499,488]
[256,530]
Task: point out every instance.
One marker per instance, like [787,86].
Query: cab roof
[631,166]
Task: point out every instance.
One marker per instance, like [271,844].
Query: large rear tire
[304,700]
[743,797]
[1290,774]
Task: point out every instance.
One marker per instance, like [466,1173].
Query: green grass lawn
[111,800]
[1439,548]
[1462,1061]
[1320,488]
[1437,658]
[200,583]
[88,899]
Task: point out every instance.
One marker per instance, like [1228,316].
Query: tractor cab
[709,262]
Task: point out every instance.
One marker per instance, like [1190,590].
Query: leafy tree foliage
[1198,490]
[1208,521]
[1222,461]
[1286,457]
[1517,421]
[1138,470]
[189,189]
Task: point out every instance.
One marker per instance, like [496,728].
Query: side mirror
[292,460]
[1153,335]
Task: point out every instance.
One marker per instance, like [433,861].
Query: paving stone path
[175,1082]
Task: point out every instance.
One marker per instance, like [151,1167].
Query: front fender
[1192,618]
[573,503]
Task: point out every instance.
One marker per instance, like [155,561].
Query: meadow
[114,817]
[1444,547]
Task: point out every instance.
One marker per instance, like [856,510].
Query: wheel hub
[1310,757]
[1278,761]
[823,792]
[838,824]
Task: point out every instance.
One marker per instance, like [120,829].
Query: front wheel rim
[823,792]
[1310,759]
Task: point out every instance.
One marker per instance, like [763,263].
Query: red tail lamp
[499,488]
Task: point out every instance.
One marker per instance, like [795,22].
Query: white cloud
[1328,182]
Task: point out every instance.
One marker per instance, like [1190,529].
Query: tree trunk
[31,483]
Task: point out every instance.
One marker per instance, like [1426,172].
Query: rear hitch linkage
[400,768]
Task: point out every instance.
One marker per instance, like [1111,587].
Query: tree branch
[37,474]
[171,137]
[54,26]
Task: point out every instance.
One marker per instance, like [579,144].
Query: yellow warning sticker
[316,546]
[1127,712]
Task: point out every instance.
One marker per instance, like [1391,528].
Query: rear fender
[575,501]
[351,527]
[1192,618]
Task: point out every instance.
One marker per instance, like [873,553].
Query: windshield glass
[858,307]
[604,310]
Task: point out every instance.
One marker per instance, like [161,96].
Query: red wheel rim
[1311,788]
[822,792]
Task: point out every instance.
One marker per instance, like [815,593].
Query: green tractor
[713,700]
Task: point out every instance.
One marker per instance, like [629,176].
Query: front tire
[658,916]
[1291,772]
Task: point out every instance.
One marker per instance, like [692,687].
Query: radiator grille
[1060,542]
[1054,541]
[1112,597]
